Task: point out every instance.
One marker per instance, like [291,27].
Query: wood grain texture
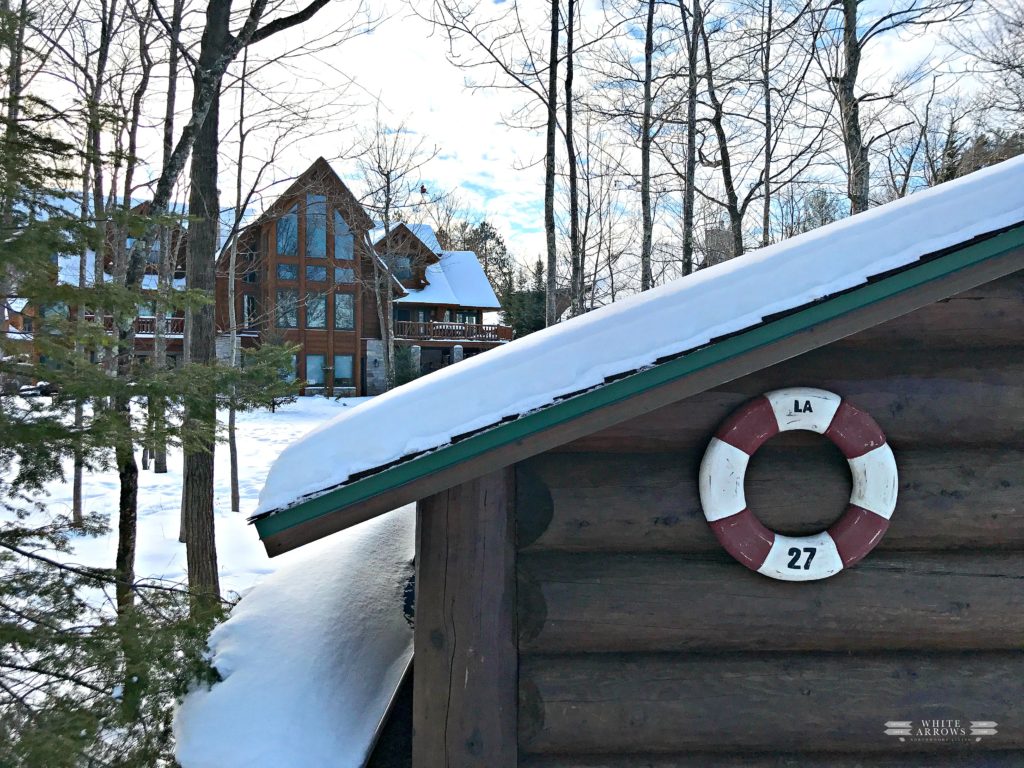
[948,499]
[918,396]
[965,757]
[623,704]
[581,603]
[987,316]
[464,703]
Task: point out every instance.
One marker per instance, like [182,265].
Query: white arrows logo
[981,728]
[899,728]
[943,730]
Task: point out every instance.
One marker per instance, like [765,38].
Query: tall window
[287,271]
[248,310]
[343,371]
[402,266]
[291,374]
[286,308]
[316,274]
[315,370]
[316,310]
[288,233]
[344,275]
[344,311]
[343,240]
[316,227]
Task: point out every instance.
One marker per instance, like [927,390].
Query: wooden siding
[465,640]
[642,643]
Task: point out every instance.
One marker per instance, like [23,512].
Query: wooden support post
[466,671]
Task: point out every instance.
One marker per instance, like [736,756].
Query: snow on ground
[261,437]
[310,658]
[531,372]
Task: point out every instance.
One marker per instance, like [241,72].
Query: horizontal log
[919,396]
[621,704]
[967,759]
[579,603]
[986,316]
[948,499]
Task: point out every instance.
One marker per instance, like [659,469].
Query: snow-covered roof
[423,232]
[67,273]
[16,304]
[310,658]
[533,372]
[457,279]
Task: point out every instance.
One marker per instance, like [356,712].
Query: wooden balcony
[444,331]
[173,326]
[146,326]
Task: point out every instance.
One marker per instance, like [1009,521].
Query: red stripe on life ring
[745,538]
[856,533]
[750,426]
[854,432]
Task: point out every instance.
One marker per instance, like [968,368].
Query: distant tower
[718,245]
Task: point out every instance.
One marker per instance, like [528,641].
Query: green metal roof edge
[636,383]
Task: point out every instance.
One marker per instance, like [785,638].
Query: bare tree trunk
[858,164]
[769,130]
[646,277]
[692,35]
[200,271]
[166,265]
[725,160]
[77,515]
[14,93]
[575,260]
[385,293]
[550,306]
[232,273]
[127,469]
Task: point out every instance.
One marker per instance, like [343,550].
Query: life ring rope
[799,558]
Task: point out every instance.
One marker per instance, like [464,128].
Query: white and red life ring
[798,558]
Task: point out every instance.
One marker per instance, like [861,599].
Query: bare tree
[994,46]
[390,162]
[840,61]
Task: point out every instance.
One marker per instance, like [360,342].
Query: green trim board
[631,385]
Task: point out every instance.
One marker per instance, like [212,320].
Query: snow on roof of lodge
[17,304]
[423,232]
[67,273]
[309,658]
[533,372]
[457,279]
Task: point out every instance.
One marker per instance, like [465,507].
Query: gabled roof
[320,172]
[422,232]
[457,280]
[644,352]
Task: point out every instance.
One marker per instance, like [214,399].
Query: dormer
[408,249]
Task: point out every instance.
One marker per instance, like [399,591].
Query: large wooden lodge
[574,608]
[305,275]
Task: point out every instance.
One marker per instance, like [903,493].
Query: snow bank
[531,372]
[310,658]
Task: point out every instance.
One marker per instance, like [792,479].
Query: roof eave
[933,278]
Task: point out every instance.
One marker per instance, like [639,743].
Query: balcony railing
[173,326]
[445,331]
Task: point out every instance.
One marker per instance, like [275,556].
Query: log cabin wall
[642,643]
